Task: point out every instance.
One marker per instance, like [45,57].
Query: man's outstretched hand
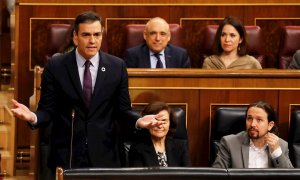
[22,112]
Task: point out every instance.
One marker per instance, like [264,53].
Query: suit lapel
[151,154]
[145,57]
[245,154]
[170,152]
[168,57]
[245,151]
[71,66]
[99,81]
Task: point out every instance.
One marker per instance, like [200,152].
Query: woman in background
[231,48]
[158,148]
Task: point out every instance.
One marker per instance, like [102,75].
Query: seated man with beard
[258,146]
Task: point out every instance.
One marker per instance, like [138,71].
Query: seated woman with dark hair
[158,148]
[231,48]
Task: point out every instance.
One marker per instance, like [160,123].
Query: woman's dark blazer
[143,154]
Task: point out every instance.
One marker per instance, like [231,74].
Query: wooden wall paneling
[212,79]
[163,1]
[24,79]
[285,105]
[5,51]
[2,19]
[271,29]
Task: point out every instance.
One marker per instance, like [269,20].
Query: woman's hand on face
[149,121]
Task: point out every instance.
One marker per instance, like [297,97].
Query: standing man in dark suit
[156,52]
[84,92]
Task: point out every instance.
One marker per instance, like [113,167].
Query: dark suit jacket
[233,152]
[61,94]
[143,154]
[139,57]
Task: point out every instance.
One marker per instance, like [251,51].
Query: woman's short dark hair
[157,106]
[272,116]
[238,25]
[86,17]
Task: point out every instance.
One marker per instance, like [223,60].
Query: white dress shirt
[258,157]
[153,59]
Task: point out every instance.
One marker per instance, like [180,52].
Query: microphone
[72,134]
[73,114]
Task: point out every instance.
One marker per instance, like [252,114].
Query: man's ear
[145,35]
[75,37]
[169,36]
[270,125]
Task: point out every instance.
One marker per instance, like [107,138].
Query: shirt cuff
[35,119]
[136,126]
[276,153]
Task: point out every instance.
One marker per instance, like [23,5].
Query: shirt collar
[81,60]
[161,52]
[256,148]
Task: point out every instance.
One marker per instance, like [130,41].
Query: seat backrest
[227,120]
[57,35]
[294,138]
[209,33]
[256,43]
[134,35]
[60,34]
[289,44]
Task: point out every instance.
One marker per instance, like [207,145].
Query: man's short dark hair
[86,17]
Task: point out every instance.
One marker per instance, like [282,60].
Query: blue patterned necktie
[159,63]
[87,84]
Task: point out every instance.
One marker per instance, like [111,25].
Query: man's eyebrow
[85,33]
[88,33]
